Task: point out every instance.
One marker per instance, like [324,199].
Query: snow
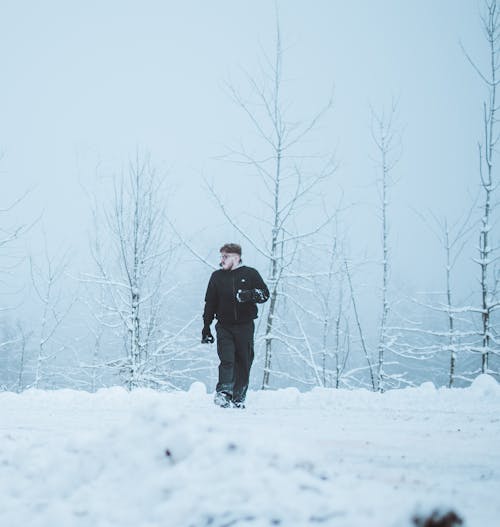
[326,457]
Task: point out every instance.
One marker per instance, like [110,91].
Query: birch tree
[362,337]
[453,241]
[386,140]
[9,347]
[22,358]
[323,302]
[10,259]
[132,251]
[456,334]
[289,183]
[46,280]
[488,180]
[326,298]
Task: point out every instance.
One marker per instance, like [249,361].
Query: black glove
[251,295]
[206,336]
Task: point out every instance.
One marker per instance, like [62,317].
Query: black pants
[235,350]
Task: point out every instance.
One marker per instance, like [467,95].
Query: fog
[88,87]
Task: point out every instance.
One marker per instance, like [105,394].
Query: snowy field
[323,458]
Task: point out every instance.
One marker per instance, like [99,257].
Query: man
[232,294]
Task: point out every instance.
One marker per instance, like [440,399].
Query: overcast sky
[85,84]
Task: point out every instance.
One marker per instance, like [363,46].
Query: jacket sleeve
[210,302]
[261,292]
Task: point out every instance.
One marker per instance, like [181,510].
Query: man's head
[230,256]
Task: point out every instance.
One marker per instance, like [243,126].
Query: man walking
[232,294]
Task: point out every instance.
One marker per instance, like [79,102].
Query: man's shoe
[238,404]
[222,399]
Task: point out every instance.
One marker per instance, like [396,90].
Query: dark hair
[231,248]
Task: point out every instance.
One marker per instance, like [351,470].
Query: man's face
[229,260]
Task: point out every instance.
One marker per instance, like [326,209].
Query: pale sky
[87,83]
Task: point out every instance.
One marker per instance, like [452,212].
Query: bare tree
[93,367]
[452,339]
[488,178]
[9,234]
[10,258]
[132,256]
[289,187]
[22,357]
[330,313]
[430,340]
[453,241]
[46,278]
[325,296]
[360,328]
[386,139]
[9,346]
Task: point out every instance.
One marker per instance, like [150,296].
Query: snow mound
[427,387]
[197,389]
[485,386]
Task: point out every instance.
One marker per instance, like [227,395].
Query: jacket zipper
[234,300]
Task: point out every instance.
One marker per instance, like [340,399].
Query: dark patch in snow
[438,519]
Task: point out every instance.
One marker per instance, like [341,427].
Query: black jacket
[221,296]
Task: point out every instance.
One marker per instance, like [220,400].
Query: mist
[91,91]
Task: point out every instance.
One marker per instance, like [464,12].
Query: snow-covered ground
[326,457]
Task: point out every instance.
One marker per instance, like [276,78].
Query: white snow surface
[322,458]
